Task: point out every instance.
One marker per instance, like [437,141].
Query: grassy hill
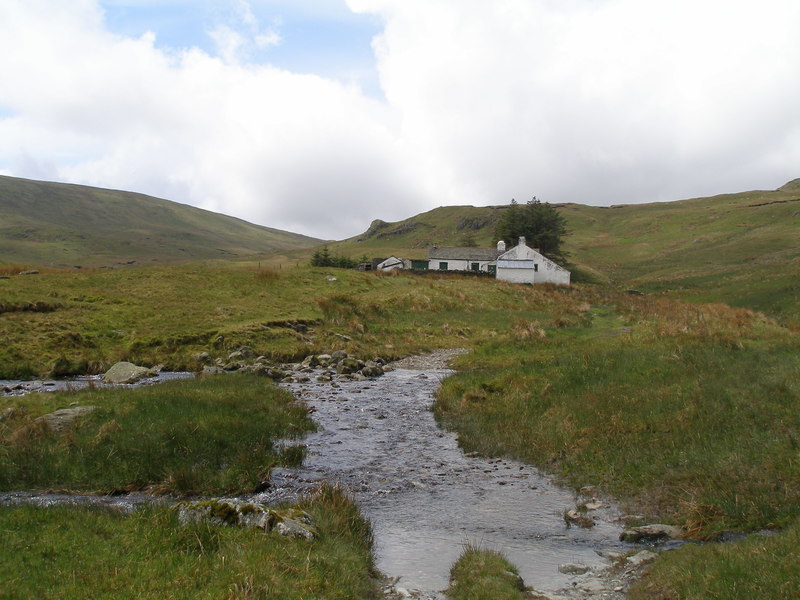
[742,249]
[63,225]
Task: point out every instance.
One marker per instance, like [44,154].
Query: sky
[318,116]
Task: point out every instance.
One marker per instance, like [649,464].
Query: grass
[480,574]
[69,552]
[163,315]
[74,226]
[687,414]
[758,567]
[210,436]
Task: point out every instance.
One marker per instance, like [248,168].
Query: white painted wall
[459,265]
[522,264]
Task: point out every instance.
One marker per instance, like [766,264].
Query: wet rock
[651,533]
[347,366]
[64,417]
[372,371]
[573,569]
[574,517]
[125,372]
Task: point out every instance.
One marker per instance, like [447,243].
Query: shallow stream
[425,498]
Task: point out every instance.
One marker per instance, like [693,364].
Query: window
[475,266]
[492,269]
[535,267]
[443,266]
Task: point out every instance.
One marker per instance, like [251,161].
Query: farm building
[463,259]
[522,264]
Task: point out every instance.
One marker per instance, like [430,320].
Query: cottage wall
[458,264]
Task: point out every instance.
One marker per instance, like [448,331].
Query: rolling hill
[742,249]
[65,225]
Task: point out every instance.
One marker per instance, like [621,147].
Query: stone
[651,533]
[573,569]
[125,372]
[573,517]
[29,272]
[338,355]
[64,417]
[347,366]
[209,370]
[372,371]
[642,558]
[294,529]
[201,357]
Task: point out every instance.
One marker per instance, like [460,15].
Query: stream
[425,498]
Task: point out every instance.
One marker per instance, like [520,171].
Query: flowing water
[425,498]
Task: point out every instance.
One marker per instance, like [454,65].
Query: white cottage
[522,264]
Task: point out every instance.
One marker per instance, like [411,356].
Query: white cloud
[571,100]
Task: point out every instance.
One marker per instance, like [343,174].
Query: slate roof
[462,254]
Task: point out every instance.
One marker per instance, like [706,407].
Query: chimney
[501,246]
[522,240]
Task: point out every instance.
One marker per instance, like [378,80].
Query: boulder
[346,366]
[651,533]
[125,372]
[338,355]
[64,417]
[372,371]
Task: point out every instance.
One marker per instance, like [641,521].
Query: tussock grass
[480,574]
[69,552]
[208,436]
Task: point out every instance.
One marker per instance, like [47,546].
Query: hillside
[64,225]
[742,249]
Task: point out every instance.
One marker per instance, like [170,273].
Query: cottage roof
[462,253]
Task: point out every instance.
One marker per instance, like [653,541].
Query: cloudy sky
[318,116]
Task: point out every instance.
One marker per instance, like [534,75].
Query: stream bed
[425,498]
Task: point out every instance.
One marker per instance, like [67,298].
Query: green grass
[68,552]
[62,225]
[689,415]
[211,436]
[162,315]
[479,574]
[758,567]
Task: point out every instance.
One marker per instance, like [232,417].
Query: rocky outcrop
[288,522]
[125,372]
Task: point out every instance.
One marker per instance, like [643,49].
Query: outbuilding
[522,264]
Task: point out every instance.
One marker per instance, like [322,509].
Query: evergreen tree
[539,223]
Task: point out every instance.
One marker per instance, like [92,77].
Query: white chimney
[522,240]
[501,246]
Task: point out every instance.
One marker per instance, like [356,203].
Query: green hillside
[63,225]
[742,249]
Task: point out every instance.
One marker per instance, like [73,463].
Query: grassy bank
[479,574]
[69,552]
[207,436]
[758,567]
[687,413]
